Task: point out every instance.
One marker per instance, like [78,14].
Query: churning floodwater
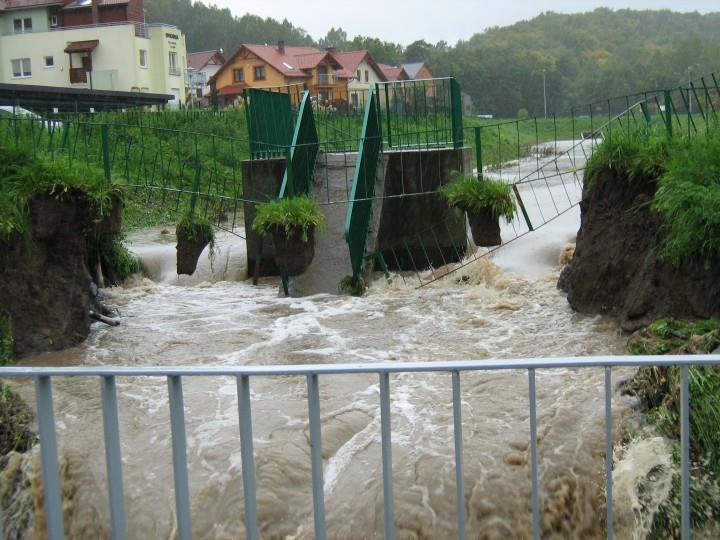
[218,318]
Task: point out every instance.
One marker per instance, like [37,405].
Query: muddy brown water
[215,318]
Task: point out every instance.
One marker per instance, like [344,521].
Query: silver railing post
[533,456]
[457,432]
[177,429]
[685,451]
[113,460]
[316,456]
[49,455]
[247,457]
[608,453]
[386,440]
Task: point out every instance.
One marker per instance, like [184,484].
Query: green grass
[688,196]
[6,340]
[116,256]
[24,176]
[659,391]
[289,213]
[16,422]
[472,194]
[687,172]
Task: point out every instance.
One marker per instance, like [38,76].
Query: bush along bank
[648,245]
[55,221]
[658,393]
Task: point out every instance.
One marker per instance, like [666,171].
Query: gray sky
[432,20]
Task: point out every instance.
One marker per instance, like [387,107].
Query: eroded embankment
[619,268]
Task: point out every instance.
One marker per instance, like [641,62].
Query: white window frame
[144,59]
[53,21]
[24,29]
[51,65]
[367,75]
[23,74]
[173,63]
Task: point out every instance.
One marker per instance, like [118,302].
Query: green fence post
[668,113]
[478,150]
[105,136]
[388,115]
[456,111]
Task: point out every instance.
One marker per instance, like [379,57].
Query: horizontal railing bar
[350,368]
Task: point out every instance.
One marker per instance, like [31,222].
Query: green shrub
[289,213]
[472,194]
[352,285]
[688,196]
[116,256]
[6,341]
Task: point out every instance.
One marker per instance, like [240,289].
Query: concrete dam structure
[407,211]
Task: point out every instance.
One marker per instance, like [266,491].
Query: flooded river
[218,318]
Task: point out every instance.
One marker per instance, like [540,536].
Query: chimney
[95,12]
[281,47]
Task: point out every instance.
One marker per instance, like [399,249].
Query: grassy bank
[658,389]
[687,172]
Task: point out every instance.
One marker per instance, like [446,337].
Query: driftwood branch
[103,319]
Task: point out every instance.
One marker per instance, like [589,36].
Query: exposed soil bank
[45,286]
[617,268]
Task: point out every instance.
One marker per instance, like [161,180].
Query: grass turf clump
[16,421]
[287,214]
[637,154]
[352,285]
[472,194]
[193,233]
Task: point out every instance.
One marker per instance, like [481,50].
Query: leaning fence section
[175,377]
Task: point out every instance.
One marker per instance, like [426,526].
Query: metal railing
[107,377]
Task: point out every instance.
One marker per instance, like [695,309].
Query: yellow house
[264,66]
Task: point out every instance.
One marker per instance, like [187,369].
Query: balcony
[326,79]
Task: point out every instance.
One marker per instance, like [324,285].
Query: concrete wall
[262,179]
[433,233]
[421,230]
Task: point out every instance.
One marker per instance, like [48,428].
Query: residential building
[264,66]
[365,73]
[418,70]
[96,44]
[201,67]
[394,73]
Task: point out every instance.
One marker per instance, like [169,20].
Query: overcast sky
[404,21]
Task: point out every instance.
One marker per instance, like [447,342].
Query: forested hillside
[585,57]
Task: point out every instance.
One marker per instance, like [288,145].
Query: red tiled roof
[393,73]
[19,4]
[199,60]
[351,60]
[233,89]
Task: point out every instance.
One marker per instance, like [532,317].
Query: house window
[49,62]
[259,73]
[239,75]
[173,58]
[367,76]
[144,59]
[21,68]
[21,26]
[53,21]
[359,76]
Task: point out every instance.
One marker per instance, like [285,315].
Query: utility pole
[544,93]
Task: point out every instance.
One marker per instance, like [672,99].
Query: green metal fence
[359,213]
[302,153]
[270,121]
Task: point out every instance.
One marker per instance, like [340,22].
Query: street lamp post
[544,93]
